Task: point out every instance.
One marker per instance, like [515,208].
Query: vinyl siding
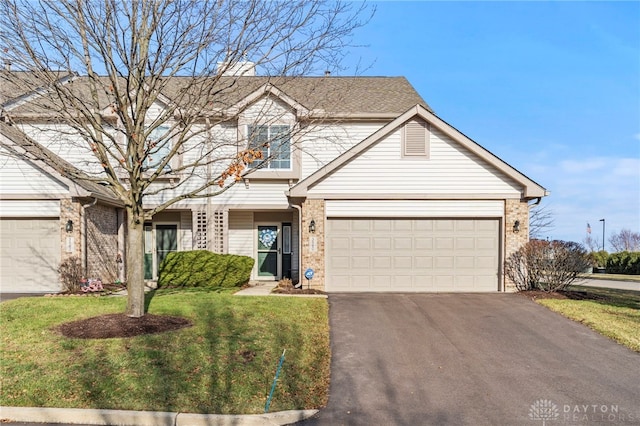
[241,233]
[29,208]
[19,177]
[415,208]
[185,231]
[320,144]
[450,170]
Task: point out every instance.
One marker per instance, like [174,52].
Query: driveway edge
[146,418]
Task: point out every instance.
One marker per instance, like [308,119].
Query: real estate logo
[545,410]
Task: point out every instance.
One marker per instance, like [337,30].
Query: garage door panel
[412,254]
[30,255]
[382,243]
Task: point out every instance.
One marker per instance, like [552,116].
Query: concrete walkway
[259,288]
[70,416]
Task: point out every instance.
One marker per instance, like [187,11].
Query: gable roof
[29,150]
[530,188]
[326,97]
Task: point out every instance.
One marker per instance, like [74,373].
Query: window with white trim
[274,142]
[159,147]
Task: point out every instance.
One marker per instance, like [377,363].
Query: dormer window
[274,142]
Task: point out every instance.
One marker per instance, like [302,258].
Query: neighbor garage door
[30,255]
[412,255]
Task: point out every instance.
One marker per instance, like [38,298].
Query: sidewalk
[146,418]
[258,288]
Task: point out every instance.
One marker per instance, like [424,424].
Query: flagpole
[602,220]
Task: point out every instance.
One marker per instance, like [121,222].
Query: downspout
[83,232]
[299,208]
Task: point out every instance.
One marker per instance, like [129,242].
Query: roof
[15,85]
[51,163]
[328,96]
[530,188]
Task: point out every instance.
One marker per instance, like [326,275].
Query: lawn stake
[275,379]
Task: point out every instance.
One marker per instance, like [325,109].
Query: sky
[552,88]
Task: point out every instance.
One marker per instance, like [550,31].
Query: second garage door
[30,255]
[412,255]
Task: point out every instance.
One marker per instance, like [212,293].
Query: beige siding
[185,232]
[20,177]
[29,208]
[241,233]
[415,208]
[322,143]
[267,109]
[450,170]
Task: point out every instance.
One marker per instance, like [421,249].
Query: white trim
[415,208]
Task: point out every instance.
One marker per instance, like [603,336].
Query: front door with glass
[269,252]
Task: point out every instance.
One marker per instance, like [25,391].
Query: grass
[225,363]
[614,277]
[613,313]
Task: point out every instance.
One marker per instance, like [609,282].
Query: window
[275,144]
[159,147]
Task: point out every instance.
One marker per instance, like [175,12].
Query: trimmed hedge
[201,268]
[624,262]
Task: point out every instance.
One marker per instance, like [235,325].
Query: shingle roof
[333,96]
[15,84]
[36,153]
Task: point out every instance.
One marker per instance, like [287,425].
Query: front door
[166,242]
[269,252]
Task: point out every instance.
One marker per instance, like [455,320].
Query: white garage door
[30,255]
[412,255]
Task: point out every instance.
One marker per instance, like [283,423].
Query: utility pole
[602,220]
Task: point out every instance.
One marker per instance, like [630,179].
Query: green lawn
[224,364]
[613,313]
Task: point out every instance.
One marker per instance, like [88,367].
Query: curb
[147,418]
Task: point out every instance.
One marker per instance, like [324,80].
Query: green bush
[599,258]
[624,262]
[201,268]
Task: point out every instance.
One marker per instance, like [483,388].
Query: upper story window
[275,144]
[159,147]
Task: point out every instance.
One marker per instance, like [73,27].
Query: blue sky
[552,88]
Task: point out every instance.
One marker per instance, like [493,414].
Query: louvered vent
[416,138]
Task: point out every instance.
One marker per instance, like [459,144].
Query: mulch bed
[293,290]
[120,325]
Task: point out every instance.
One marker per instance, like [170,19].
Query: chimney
[241,68]
[327,73]
[7,65]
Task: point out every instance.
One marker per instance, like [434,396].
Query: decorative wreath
[267,237]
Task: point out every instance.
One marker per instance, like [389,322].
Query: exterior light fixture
[69,226]
[516,226]
[312,226]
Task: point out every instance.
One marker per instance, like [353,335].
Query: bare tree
[99,67]
[593,244]
[546,265]
[625,240]
[540,221]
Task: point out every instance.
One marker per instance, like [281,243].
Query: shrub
[546,265]
[624,262]
[599,258]
[71,273]
[201,268]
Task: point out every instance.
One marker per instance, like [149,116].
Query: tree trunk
[135,267]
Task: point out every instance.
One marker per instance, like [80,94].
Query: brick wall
[515,209]
[102,242]
[70,242]
[313,210]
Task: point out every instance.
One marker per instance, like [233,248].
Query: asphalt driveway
[432,359]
